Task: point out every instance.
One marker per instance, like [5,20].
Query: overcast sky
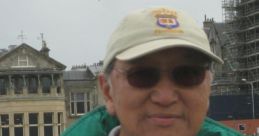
[77,31]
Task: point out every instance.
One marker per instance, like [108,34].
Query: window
[58,89]
[57,83]
[32,84]
[48,126]
[4,124]
[18,84]
[48,131]
[4,119]
[77,103]
[60,123]
[18,131]
[3,82]
[18,124]
[23,60]
[88,102]
[5,131]
[18,119]
[80,103]
[33,124]
[46,84]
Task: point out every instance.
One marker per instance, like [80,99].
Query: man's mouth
[164,120]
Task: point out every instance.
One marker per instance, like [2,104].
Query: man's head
[157,78]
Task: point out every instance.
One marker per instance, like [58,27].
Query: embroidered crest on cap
[166,18]
[167,22]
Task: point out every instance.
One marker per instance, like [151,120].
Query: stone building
[81,90]
[32,98]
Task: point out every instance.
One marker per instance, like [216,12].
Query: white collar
[115,131]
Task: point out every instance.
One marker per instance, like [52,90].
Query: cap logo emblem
[166,18]
[167,22]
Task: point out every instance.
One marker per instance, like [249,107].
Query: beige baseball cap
[153,29]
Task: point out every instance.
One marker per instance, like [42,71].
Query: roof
[83,72]
[3,51]
[220,28]
[75,75]
[7,53]
[95,69]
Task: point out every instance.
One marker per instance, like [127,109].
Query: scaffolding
[241,49]
[229,10]
[238,79]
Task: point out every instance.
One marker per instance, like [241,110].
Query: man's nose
[165,92]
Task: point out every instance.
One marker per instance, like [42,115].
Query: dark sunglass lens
[188,75]
[143,77]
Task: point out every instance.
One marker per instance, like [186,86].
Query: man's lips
[164,120]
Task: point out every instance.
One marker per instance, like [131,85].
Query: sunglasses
[147,77]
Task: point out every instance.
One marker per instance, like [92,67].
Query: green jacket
[99,123]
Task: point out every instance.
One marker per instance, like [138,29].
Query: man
[156,80]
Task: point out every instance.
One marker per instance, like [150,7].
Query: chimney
[44,50]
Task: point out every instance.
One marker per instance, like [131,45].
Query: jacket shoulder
[214,128]
[95,123]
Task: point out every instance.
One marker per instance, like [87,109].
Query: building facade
[81,90]
[32,98]
[235,89]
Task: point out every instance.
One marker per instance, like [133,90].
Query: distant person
[156,80]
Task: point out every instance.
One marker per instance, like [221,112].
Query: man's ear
[107,94]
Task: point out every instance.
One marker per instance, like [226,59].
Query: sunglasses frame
[156,76]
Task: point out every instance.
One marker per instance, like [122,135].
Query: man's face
[164,107]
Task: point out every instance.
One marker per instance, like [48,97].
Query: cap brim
[157,45]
